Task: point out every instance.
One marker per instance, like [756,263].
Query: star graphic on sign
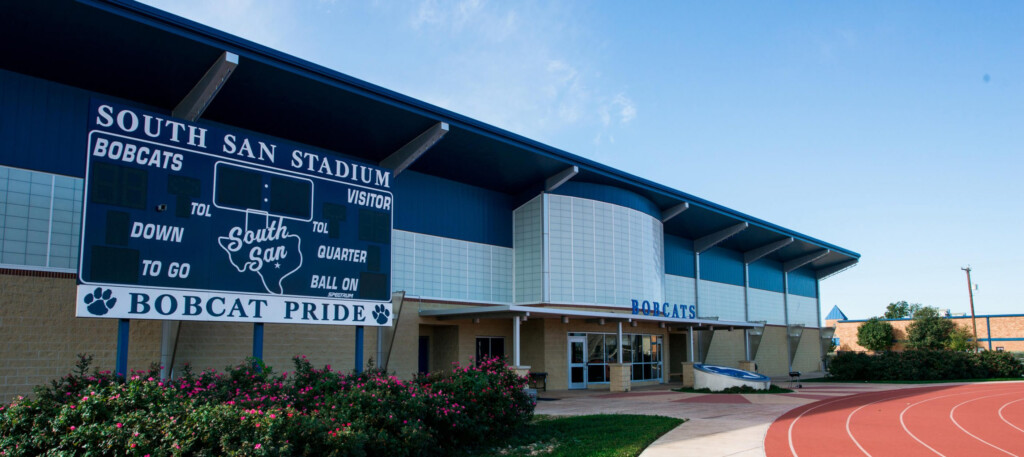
[277,265]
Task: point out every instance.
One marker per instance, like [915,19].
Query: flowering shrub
[473,403]
[250,411]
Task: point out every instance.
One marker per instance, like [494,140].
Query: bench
[538,378]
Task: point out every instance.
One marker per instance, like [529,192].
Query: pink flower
[72,428]
[119,425]
[258,445]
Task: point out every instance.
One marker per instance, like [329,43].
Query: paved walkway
[717,425]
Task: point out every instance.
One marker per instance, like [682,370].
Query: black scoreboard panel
[169,214]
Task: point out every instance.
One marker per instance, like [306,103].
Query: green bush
[1001,364]
[875,335]
[250,410]
[850,366]
[929,330]
[924,365]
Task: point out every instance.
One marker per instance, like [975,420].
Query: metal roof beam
[193,105]
[709,241]
[798,262]
[674,211]
[753,255]
[562,177]
[406,155]
[831,270]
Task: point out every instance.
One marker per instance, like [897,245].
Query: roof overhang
[537,312]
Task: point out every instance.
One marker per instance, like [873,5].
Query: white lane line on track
[1004,417]
[907,430]
[792,448]
[849,417]
[792,424]
[952,411]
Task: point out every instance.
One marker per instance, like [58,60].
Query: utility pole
[970,291]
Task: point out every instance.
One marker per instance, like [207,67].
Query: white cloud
[627,110]
[526,67]
[452,15]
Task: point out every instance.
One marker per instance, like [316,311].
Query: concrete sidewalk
[717,424]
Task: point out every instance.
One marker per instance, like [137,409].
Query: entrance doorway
[577,362]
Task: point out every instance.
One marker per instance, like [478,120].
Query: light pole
[970,291]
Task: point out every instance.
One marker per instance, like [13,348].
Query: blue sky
[894,129]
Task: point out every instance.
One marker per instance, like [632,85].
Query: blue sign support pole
[121,362]
[359,349]
[257,342]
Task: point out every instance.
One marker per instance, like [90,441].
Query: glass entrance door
[577,362]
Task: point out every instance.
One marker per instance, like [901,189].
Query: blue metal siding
[43,125]
[679,256]
[803,282]
[608,194]
[722,265]
[766,274]
[439,207]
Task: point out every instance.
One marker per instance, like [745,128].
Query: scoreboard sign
[184,221]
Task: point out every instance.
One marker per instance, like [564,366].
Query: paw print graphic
[380,314]
[99,301]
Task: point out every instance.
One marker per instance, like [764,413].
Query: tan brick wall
[808,352]
[1002,327]
[556,353]
[772,355]
[402,340]
[40,335]
[533,340]
[726,349]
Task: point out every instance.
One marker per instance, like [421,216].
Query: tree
[875,335]
[961,339]
[901,309]
[929,329]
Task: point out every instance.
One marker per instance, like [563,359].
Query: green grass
[931,381]
[602,435]
[773,389]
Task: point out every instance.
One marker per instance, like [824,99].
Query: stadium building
[128,134]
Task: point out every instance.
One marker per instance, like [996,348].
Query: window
[40,220]
[489,347]
[644,352]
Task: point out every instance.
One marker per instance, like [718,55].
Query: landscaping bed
[251,411]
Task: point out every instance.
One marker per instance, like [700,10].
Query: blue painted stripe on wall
[722,265]
[43,125]
[439,207]
[679,256]
[766,274]
[609,194]
[803,282]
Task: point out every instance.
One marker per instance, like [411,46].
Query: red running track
[983,419]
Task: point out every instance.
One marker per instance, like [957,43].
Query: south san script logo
[270,252]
